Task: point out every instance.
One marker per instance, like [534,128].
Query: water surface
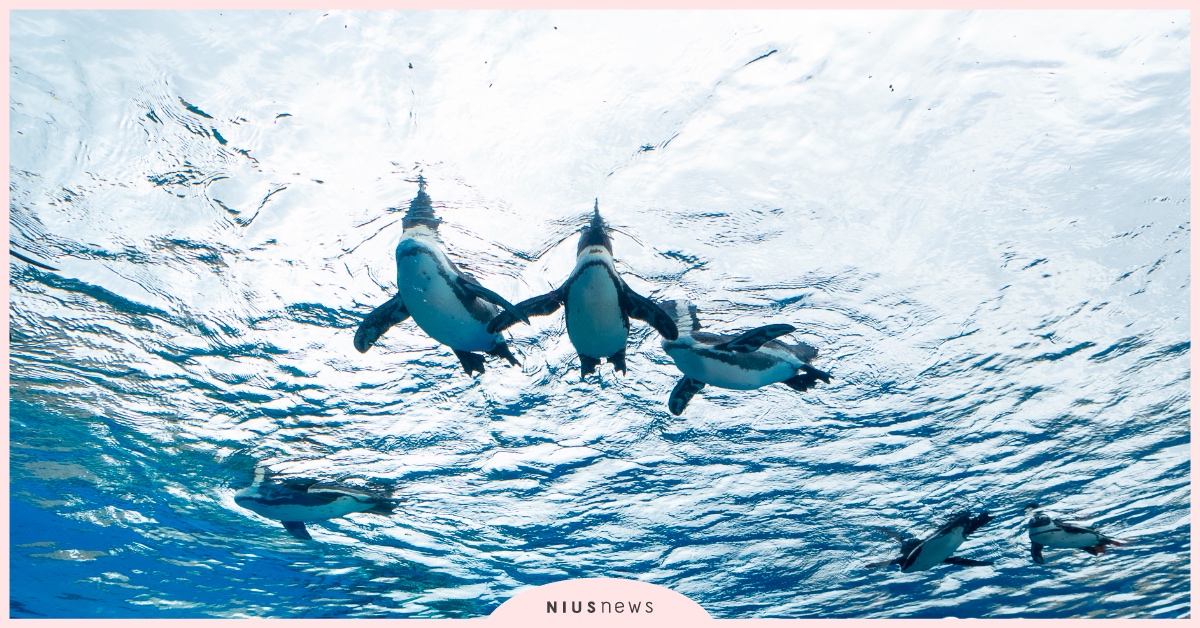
[982,221]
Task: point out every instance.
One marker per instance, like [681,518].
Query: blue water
[981,220]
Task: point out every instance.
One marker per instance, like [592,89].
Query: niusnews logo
[599,607]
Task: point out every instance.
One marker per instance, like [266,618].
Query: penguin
[296,501]
[1047,532]
[598,303]
[747,361]
[919,555]
[447,303]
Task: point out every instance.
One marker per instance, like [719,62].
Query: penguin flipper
[683,393]
[29,260]
[643,309]
[468,283]
[378,321]
[471,362]
[297,529]
[587,365]
[882,563]
[755,338]
[807,379]
[618,361]
[502,351]
[966,562]
[537,306]
[1036,550]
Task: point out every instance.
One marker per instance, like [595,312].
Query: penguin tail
[384,508]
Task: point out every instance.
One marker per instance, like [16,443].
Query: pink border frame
[527,608]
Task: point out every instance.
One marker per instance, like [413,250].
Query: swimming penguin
[744,362]
[297,501]
[446,302]
[919,555]
[1047,532]
[598,303]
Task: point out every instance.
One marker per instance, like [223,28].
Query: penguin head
[420,210]
[249,495]
[252,489]
[595,234]
[1039,520]
[245,497]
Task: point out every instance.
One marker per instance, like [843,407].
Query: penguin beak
[420,210]
[595,234]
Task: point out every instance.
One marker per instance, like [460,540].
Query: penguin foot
[587,365]
[1095,550]
[618,361]
[502,351]
[471,362]
[807,379]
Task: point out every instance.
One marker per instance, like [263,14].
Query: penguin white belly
[340,507]
[750,370]
[1053,537]
[435,307]
[594,321]
[937,549]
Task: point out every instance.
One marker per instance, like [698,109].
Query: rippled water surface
[980,220]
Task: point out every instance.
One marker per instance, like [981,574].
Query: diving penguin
[919,555]
[296,501]
[450,305]
[1047,532]
[598,303]
[744,362]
